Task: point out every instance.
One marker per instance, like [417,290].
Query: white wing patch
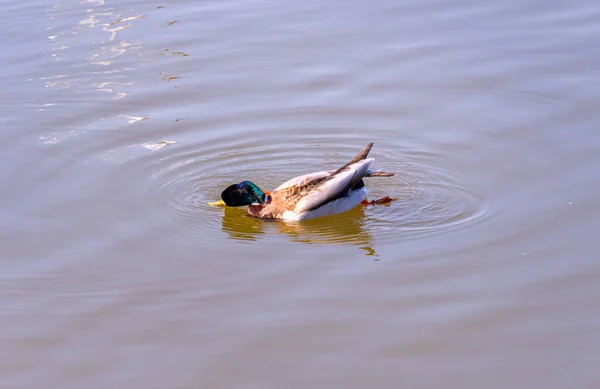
[334,186]
[337,206]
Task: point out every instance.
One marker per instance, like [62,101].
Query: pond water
[122,119]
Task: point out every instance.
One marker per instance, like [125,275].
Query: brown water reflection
[346,229]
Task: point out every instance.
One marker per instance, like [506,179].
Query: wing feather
[311,191]
[337,184]
[303,179]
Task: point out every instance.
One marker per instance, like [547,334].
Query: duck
[310,195]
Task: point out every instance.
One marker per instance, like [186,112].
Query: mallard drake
[310,195]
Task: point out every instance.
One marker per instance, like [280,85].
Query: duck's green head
[244,193]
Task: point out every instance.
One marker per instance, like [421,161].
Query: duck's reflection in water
[348,228]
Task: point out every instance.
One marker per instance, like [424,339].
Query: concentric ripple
[430,199]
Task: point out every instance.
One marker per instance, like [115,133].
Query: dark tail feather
[359,157]
[362,155]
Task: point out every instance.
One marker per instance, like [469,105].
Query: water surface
[116,273]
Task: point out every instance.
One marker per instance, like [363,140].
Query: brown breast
[255,210]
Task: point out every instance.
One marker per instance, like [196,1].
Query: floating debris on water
[134,119]
[157,146]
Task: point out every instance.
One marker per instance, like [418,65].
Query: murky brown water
[115,273]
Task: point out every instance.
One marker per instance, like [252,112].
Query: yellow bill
[219,203]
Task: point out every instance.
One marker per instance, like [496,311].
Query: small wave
[430,199]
